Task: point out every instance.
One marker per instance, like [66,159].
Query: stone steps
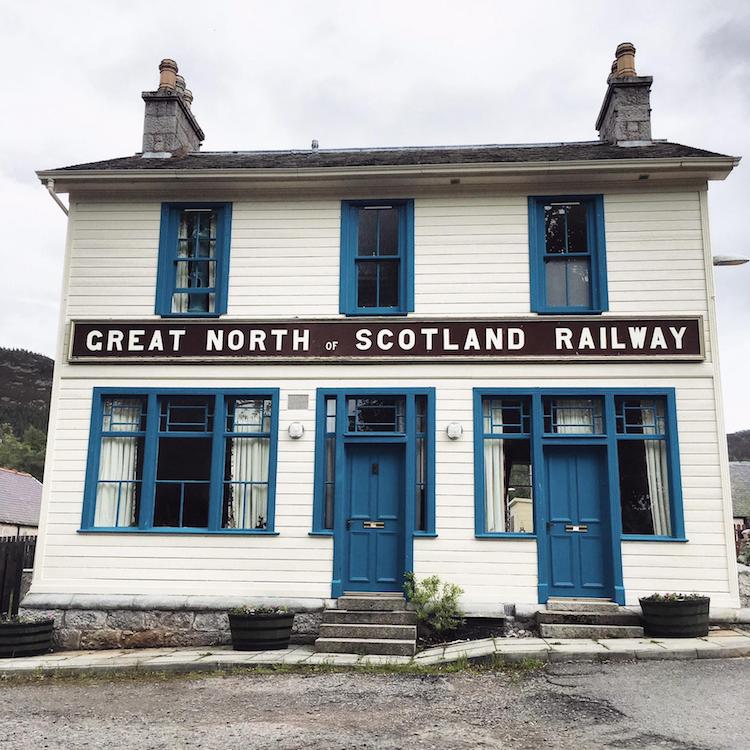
[365,623]
[383,646]
[358,631]
[588,618]
[622,617]
[590,631]
[369,617]
[581,605]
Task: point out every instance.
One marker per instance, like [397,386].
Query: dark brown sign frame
[542,338]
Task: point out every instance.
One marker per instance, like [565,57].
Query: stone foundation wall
[131,628]
[744,576]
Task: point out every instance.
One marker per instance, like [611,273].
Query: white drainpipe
[51,191]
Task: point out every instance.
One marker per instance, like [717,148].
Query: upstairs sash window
[568,266]
[377,274]
[193,260]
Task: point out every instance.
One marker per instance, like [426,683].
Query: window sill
[322,532]
[425,534]
[504,535]
[200,532]
[570,311]
[375,312]
[191,315]
[652,538]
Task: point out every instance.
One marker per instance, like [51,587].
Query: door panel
[578,521]
[374,534]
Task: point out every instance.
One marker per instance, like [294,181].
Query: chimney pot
[180,84]
[167,75]
[625,60]
[315,145]
[187,97]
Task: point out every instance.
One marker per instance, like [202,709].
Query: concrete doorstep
[718,644]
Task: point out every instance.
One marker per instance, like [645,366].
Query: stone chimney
[625,116]
[170,128]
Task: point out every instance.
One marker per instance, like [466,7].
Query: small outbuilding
[20,500]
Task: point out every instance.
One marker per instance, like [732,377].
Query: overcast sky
[355,73]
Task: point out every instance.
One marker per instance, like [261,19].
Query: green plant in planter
[246,609]
[435,603]
[672,597]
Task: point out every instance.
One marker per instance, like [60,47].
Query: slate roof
[407,156]
[20,498]
[739,473]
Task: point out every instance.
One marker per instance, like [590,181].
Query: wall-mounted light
[454,431]
[296,430]
[730,260]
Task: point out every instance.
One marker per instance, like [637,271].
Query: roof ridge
[16,471]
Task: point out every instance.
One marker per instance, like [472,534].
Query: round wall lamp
[454,431]
[296,430]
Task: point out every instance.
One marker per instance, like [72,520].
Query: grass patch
[516,671]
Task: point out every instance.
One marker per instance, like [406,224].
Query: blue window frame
[377,257]
[638,428]
[568,264]
[390,414]
[175,460]
[193,272]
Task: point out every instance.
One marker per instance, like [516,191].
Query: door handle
[348,523]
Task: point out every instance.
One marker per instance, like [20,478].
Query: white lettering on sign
[114,341]
[493,339]
[300,340]
[157,342]
[637,336]
[516,338]
[176,336]
[94,341]
[472,340]
[678,334]
[364,339]
[384,334]
[429,334]
[134,340]
[563,338]
[407,339]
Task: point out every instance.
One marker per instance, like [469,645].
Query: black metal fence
[16,554]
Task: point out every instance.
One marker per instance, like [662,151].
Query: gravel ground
[696,705]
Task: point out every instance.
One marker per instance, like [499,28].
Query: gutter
[720,166]
[51,191]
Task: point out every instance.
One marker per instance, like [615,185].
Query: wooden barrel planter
[675,618]
[25,638]
[260,632]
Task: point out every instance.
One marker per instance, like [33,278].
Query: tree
[25,454]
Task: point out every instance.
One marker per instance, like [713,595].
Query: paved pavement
[728,643]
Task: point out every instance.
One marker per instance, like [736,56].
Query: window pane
[249,415]
[388,244]
[644,487]
[375,414]
[246,483]
[577,234]
[330,482]
[367,232]
[420,510]
[420,407]
[124,415]
[568,282]
[508,493]
[388,283]
[331,414]
[367,289]
[118,490]
[573,416]
[640,416]
[506,416]
[183,474]
[186,414]
[554,229]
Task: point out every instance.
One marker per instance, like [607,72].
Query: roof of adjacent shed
[408,156]
[739,473]
[20,498]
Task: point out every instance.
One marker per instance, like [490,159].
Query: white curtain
[494,484]
[118,461]
[572,416]
[249,483]
[658,485]
[180,300]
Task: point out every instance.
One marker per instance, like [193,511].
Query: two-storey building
[286,374]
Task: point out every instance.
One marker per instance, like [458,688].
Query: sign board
[404,340]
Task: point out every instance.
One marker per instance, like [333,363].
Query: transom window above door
[567,253]
[377,263]
[376,414]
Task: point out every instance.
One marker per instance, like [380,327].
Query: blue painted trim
[168,231]
[344,438]
[170,531]
[347,265]
[597,254]
[146,514]
[609,440]
[647,538]
[504,535]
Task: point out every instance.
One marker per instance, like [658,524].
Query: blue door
[578,526]
[373,538]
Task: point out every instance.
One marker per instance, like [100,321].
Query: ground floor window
[348,415]
[638,430]
[169,460]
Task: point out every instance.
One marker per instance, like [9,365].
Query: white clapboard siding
[297,565]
